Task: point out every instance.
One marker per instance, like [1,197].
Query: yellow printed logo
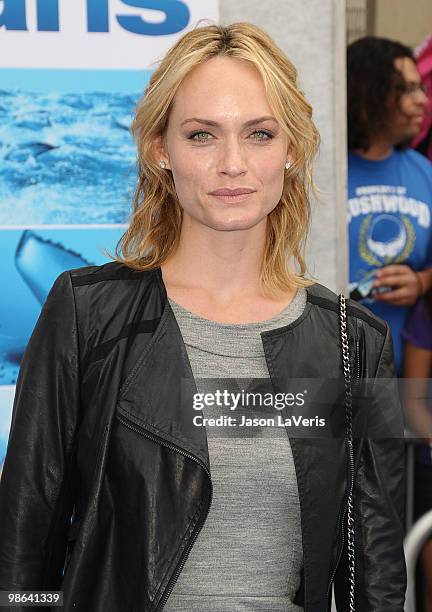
[385,239]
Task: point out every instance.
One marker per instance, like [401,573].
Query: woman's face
[222,134]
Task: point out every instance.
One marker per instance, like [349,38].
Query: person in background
[389,184]
[423,141]
[417,389]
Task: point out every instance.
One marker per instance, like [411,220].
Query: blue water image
[66,158]
[30,261]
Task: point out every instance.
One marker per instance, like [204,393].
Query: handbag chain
[349,441]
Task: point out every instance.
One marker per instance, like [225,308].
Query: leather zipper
[203,518]
[357,363]
[355,380]
[342,530]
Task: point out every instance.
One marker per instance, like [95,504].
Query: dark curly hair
[371,78]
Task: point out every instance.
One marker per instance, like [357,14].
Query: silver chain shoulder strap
[349,441]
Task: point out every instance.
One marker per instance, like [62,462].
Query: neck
[227,263]
[378,150]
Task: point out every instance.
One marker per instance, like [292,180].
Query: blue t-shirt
[389,217]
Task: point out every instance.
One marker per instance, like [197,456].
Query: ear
[158,151]
[290,155]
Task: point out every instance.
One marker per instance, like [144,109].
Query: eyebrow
[216,124]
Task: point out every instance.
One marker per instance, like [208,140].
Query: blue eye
[267,135]
[192,136]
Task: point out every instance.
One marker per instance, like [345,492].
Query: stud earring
[162,164]
[287,165]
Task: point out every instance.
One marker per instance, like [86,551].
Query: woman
[168,514]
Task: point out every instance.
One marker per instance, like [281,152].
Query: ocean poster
[66,152]
[67,177]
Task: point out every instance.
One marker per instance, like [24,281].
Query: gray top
[248,555]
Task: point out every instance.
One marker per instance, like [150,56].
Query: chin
[406,141]
[233,223]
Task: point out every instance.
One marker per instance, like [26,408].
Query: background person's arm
[407,284]
[426,279]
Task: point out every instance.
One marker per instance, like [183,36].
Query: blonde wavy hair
[154,230]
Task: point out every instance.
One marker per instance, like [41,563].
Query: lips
[232,192]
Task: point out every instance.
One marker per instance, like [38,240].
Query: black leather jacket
[101,434]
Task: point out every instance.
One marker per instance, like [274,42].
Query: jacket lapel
[159,396]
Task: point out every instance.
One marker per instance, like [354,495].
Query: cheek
[272,175]
[269,165]
[188,173]
[406,110]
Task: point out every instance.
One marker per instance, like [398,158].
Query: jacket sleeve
[378,498]
[37,486]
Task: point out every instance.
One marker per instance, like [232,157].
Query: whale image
[40,260]
[26,150]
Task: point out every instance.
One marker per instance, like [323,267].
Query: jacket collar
[313,291]
[163,377]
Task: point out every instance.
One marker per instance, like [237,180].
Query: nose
[232,158]
[422,98]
